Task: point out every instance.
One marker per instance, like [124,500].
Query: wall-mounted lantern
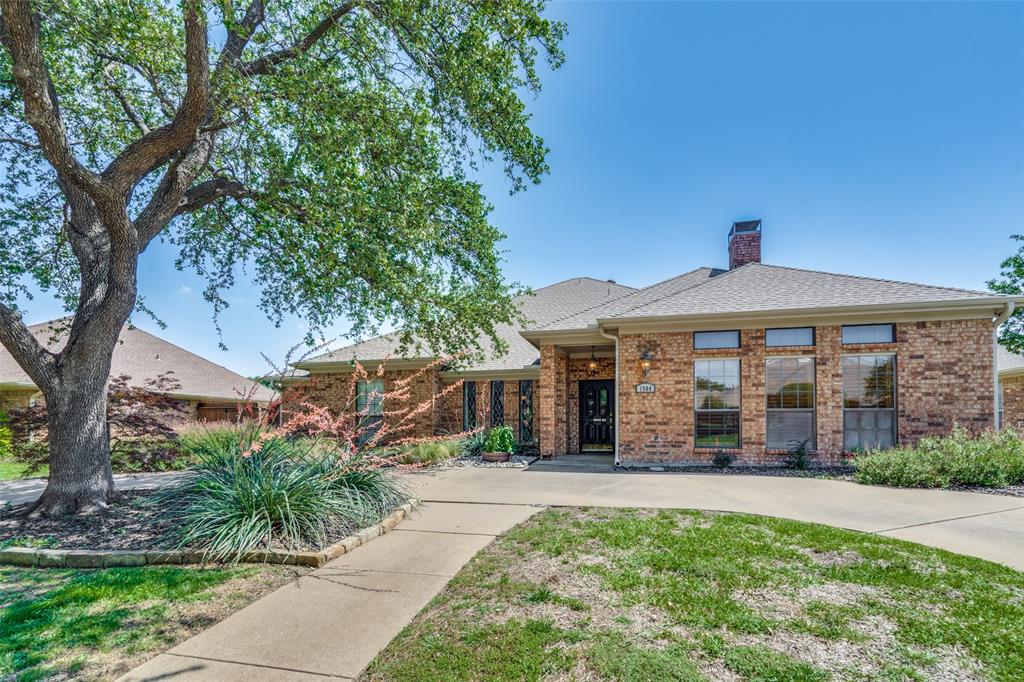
[645,361]
[592,365]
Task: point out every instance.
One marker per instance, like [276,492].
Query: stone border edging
[87,558]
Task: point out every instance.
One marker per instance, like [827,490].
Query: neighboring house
[1010,395]
[210,392]
[748,360]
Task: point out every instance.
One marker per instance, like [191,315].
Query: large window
[793,336]
[497,403]
[869,401]
[369,404]
[730,339]
[526,411]
[716,385]
[789,384]
[469,406]
[869,333]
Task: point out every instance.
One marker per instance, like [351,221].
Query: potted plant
[499,445]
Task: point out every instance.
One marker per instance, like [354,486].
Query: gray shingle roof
[634,299]
[548,303]
[1007,361]
[756,287]
[143,356]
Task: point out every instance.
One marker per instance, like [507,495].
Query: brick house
[748,360]
[207,391]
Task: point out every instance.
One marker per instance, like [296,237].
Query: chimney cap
[745,226]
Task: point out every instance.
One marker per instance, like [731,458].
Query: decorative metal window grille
[526,411]
[469,406]
[497,403]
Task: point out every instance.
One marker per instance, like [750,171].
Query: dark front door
[597,416]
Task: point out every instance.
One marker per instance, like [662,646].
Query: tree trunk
[81,480]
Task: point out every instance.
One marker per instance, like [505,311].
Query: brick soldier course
[584,329]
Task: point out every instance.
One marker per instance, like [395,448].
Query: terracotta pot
[496,456]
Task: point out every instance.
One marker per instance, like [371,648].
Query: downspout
[1002,317]
[615,338]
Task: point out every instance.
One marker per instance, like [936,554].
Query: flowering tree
[326,145]
[356,429]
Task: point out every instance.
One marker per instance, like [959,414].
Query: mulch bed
[128,524]
[134,523]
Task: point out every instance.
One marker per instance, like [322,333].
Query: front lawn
[602,594]
[98,624]
[11,471]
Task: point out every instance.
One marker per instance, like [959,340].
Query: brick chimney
[744,243]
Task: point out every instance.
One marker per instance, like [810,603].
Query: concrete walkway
[331,623]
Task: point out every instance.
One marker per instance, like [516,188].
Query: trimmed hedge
[995,459]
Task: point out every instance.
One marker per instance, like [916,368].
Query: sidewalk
[331,623]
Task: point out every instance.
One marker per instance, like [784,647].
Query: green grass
[61,622]
[682,595]
[12,471]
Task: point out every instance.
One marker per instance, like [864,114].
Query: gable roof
[760,288]
[546,304]
[143,356]
[1008,363]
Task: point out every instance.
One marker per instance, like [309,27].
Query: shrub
[994,459]
[500,439]
[289,492]
[722,459]
[797,457]
[6,448]
[429,452]
[473,444]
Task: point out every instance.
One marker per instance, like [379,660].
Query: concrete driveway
[986,526]
[29,489]
[331,623]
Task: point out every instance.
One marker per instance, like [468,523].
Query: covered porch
[578,399]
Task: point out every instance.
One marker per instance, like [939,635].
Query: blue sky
[872,138]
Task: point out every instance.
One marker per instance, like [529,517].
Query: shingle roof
[634,299]
[143,356]
[548,303]
[1007,361]
[757,287]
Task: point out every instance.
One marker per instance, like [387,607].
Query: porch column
[552,396]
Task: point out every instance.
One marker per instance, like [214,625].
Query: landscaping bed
[843,473]
[619,594]
[66,624]
[514,462]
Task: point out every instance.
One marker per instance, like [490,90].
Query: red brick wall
[332,390]
[944,376]
[552,401]
[1013,403]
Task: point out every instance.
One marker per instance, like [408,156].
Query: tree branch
[37,361]
[153,150]
[205,193]
[266,63]
[14,140]
[19,33]
[136,120]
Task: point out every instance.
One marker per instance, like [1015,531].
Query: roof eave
[992,304]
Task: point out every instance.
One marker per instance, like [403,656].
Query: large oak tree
[324,148]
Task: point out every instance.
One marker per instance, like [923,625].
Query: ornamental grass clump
[994,459]
[290,493]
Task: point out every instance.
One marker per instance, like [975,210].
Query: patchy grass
[12,471]
[98,624]
[600,594]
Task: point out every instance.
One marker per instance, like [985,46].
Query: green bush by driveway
[994,459]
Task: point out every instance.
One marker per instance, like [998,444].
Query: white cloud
[184,290]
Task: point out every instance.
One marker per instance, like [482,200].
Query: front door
[597,416]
